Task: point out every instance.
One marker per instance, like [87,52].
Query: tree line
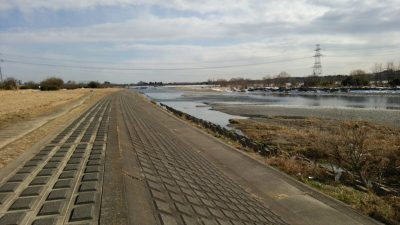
[388,76]
[50,84]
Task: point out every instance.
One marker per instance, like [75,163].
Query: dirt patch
[39,104]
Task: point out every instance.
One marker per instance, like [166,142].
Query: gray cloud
[357,21]
[225,30]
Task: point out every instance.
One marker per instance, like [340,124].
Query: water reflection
[195,103]
[329,101]
[202,111]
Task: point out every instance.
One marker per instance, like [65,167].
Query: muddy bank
[386,117]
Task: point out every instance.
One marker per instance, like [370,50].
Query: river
[198,103]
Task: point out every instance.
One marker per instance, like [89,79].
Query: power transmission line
[150,69]
[127,63]
[105,68]
[53,59]
[363,55]
[361,48]
[11,55]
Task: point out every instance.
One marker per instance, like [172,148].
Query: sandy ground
[386,117]
[16,106]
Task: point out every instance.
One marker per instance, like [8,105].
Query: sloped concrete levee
[128,161]
[182,185]
[61,183]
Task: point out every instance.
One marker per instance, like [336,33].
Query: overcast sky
[121,40]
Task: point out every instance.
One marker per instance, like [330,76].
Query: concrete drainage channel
[62,183]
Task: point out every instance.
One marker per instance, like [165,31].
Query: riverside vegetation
[356,162]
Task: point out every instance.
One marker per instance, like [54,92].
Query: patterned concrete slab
[182,186]
[62,183]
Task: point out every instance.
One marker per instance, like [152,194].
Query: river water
[195,107]
[196,103]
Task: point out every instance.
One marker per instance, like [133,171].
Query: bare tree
[222,82]
[350,149]
[267,81]
[239,82]
[390,66]
[283,74]
[282,79]
[357,72]
[267,77]
[377,68]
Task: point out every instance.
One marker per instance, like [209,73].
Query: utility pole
[1,74]
[317,68]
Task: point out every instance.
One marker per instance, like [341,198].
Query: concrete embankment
[127,161]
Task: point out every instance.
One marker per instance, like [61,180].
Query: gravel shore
[387,117]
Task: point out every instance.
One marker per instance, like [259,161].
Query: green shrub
[30,85]
[51,84]
[9,84]
[93,84]
[355,80]
[395,82]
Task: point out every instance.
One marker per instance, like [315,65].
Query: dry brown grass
[384,209]
[297,167]
[304,135]
[24,104]
[13,150]
[316,139]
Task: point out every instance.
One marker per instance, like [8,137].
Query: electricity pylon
[317,68]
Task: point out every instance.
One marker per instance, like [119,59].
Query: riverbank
[379,116]
[326,141]
[304,130]
[304,145]
[340,91]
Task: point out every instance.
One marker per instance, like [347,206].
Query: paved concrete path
[126,161]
